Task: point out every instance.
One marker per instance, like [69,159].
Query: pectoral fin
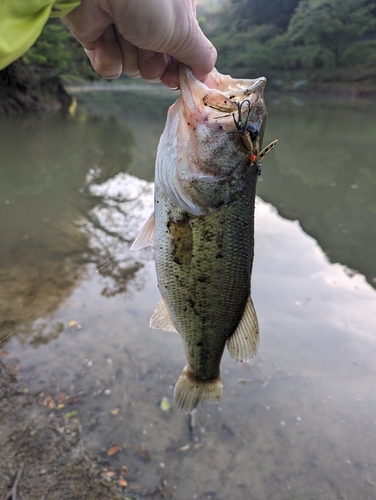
[161,320]
[242,344]
[146,235]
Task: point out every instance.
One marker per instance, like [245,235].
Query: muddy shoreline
[42,453]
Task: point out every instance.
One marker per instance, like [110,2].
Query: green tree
[50,50]
[244,33]
[258,12]
[298,39]
[320,31]
[57,53]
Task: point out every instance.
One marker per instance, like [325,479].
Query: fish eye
[253,131]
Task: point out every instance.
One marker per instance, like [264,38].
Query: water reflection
[322,174]
[51,217]
[296,422]
[144,113]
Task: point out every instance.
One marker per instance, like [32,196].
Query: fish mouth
[211,133]
[220,98]
[234,90]
[220,92]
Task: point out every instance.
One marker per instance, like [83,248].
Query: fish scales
[207,281]
[203,226]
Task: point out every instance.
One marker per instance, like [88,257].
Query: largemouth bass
[203,226]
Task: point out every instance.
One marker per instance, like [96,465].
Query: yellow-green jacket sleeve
[21,22]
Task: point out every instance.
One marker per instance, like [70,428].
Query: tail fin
[189,392]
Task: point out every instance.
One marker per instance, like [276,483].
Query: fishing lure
[249,135]
[264,152]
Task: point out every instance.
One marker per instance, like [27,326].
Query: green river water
[299,420]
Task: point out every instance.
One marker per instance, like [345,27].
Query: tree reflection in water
[322,174]
[60,216]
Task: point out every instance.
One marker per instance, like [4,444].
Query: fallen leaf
[113,450]
[123,469]
[72,323]
[115,411]
[110,474]
[48,401]
[136,487]
[144,452]
[185,448]
[70,414]
[61,397]
[165,405]
[122,481]
[3,353]
[60,406]
[71,401]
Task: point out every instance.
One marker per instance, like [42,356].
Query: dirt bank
[22,92]
[42,456]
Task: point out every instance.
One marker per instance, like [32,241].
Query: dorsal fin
[242,344]
[161,320]
[146,235]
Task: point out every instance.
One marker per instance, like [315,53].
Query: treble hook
[242,127]
[239,123]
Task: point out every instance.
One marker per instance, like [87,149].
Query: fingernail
[154,80]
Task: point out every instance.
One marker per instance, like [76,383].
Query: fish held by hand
[203,226]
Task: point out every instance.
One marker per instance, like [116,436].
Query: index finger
[197,52]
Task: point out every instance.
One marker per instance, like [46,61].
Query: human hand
[140,38]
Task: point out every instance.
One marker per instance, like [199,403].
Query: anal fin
[161,320]
[242,344]
[146,235]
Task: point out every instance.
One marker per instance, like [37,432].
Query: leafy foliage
[314,39]
[258,12]
[50,49]
[327,28]
[307,38]
[57,53]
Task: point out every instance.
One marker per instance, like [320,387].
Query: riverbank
[23,92]
[42,454]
